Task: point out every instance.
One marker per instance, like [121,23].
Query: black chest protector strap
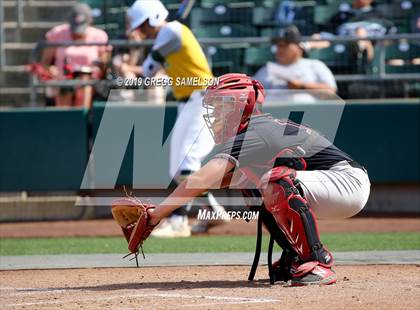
[276,272]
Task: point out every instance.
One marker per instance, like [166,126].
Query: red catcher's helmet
[230,104]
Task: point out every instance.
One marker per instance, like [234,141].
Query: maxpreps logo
[207,215]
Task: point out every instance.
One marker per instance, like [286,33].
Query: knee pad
[292,214]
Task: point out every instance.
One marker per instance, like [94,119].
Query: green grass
[335,242]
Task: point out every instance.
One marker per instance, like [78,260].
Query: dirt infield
[359,287]
[210,287]
[237,227]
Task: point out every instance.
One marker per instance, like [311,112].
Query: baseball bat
[184,9]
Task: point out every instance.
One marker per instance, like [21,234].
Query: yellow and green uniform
[182,57]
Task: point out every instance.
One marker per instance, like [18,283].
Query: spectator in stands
[126,63]
[361,11]
[362,19]
[76,62]
[292,70]
[415,23]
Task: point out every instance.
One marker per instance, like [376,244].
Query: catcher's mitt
[131,215]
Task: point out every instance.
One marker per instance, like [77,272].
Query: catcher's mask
[230,103]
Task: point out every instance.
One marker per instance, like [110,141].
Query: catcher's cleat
[281,268]
[311,273]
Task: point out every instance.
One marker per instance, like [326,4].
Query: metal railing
[19,18]
[233,41]
[237,42]
[19,22]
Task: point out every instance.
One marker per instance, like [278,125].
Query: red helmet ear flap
[249,107]
[259,91]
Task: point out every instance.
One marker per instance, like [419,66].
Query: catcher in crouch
[298,174]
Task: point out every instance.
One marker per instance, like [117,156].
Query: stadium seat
[220,14]
[98,11]
[113,30]
[109,15]
[399,58]
[323,13]
[169,2]
[256,57]
[115,3]
[225,60]
[115,16]
[172,6]
[269,31]
[228,31]
[396,1]
[173,14]
[229,3]
[263,16]
[337,57]
[299,13]
[94,3]
[399,13]
[267,3]
[304,18]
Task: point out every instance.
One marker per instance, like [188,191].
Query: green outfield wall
[42,149]
[47,149]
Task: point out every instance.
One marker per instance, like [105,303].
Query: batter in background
[178,52]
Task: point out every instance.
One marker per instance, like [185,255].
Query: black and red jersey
[256,148]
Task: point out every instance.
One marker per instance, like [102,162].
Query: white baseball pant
[337,193]
[191,140]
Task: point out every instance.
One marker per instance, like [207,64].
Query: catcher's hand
[131,215]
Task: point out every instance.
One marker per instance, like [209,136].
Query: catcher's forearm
[178,198]
[209,175]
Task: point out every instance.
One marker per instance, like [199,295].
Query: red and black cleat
[312,273]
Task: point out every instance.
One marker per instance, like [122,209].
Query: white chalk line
[30,291]
[223,299]
[224,303]
[6,288]
[17,291]
[245,299]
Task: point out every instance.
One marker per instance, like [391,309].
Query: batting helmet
[230,103]
[142,10]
